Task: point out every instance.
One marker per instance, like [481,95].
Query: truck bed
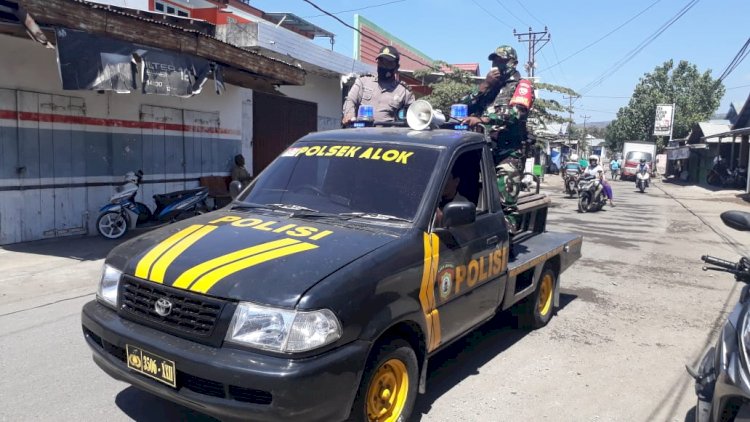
[527,258]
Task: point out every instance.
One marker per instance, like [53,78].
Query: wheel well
[554,264]
[409,331]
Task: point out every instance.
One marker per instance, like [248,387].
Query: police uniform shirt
[387,98]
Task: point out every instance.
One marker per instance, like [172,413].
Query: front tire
[389,385]
[112,225]
[584,201]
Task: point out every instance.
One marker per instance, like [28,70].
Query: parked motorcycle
[642,179]
[591,195]
[722,176]
[123,212]
[722,380]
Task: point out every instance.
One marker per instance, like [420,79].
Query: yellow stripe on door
[188,277]
[210,279]
[161,265]
[143,268]
[427,290]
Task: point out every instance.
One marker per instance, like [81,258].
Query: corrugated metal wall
[58,166]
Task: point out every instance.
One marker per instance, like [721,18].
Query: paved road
[635,309]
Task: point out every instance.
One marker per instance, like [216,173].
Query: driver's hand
[472,121]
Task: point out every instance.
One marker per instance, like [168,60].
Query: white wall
[324,91]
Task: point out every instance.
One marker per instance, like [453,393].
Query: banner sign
[92,62]
[681,153]
[663,121]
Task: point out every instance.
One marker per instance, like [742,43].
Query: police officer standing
[491,105]
[384,92]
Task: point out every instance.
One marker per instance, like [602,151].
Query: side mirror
[234,189]
[459,214]
[738,220]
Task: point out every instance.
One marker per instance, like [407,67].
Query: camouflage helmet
[504,52]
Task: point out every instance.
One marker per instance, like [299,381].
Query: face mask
[385,74]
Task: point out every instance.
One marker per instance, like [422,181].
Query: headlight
[282,330]
[107,291]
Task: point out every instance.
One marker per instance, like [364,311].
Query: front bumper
[230,383]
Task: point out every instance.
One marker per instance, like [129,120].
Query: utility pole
[583,140]
[570,114]
[533,38]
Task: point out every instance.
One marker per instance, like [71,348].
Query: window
[324,177]
[170,9]
[464,183]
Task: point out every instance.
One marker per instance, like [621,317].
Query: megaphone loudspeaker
[421,116]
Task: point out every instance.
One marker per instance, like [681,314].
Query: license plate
[151,365]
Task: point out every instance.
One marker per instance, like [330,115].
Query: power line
[355,10]
[739,86]
[530,14]
[738,58]
[562,71]
[510,12]
[631,54]
[489,13]
[604,36]
[360,32]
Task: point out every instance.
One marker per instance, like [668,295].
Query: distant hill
[598,124]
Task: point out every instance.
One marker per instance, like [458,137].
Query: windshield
[331,177]
[637,155]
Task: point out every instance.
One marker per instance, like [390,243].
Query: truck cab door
[472,258]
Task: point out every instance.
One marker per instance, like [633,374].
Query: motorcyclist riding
[641,165]
[596,170]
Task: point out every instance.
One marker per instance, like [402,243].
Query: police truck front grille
[191,314]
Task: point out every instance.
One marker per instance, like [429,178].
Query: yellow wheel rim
[386,395]
[545,295]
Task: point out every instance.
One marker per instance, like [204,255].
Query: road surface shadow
[463,358]
[82,248]
[142,406]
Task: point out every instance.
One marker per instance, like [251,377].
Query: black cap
[390,52]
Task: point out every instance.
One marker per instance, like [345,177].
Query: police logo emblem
[446,272]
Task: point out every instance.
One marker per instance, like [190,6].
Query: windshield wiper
[239,205]
[374,216]
[292,207]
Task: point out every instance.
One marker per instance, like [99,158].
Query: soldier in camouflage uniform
[489,106]
[384,92]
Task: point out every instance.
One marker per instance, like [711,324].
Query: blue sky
[460,31]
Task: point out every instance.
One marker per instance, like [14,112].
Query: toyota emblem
[163,307]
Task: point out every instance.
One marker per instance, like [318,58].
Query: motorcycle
[722,380]
[124,212]
[571,183]
[721,176]
[591,195]
[642,179]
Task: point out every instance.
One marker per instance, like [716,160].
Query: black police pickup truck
[321,292]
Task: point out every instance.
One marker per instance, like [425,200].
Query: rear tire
[713,179]
[537,309]
[389,385]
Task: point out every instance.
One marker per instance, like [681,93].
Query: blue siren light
[459,111]
[365,112]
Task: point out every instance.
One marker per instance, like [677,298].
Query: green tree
[695,95]
[449,84]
